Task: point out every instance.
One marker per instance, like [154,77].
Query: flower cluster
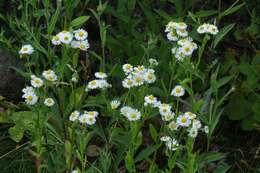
[88,117]
[171,143]
[99,83]
[76,39]
[137,76]
[185,46]
[130,113]
[207,28]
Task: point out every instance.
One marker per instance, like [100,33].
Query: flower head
[114,104]
[178,91]
[49,102]
[80,34]
[26,50]
[183,120]
[74,116]
[36,82]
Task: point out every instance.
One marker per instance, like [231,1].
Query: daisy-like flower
[83,118]
[183,120]
[170,26]
[191,115]
[100,75]
[149,76]
[168,117]
[133,115]
[27,90]
[196,124]
[206,129]
[75,44]
[65,37]
[153,62]
[193,132]
[207,28]
[91,120]
[172,144]
[178,91]
[91,113]
[201,29]
[165,109]
[128,83]
[49,75]
[115,104]
[49,102]
[74,116]
[182,32]
[103,84]
[212,29]
[74,171]
[174,50]
[187,49]
[80,34]
[165,138]
[36,82]
[173,125]
[172,36]
[138,80]
[181,25]
[26,50]
[94,84]
[125,109]
[127,68]
[56,40]
[150,99]
[184,41]
[30,98]
[139,69]
[84,45]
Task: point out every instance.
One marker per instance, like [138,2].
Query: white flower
[173,50]
[172,36]
[88,118]
[114,104]
[165,138]
[49,75]
[49,102]
[182,32]
[190,115]
[83,118]
[74,116]
[153,62]
[139,69]
[170,26]
[94,84]
[165,109]
[149,77]
[127,68]
[27,90]
[187,49]
[168,117]
[75,44]
[173,125]
[127,83]
[80,34]
[56,40]
[206,129]
[196,124]
[150,99]
[91,113]
[181,25]
[125,109]
[193,132]
[84,45]
[100,75]
[36,82]
[65,37]
[201,29]
[138,80]
[74,171]
[178,91]
[183,120]
[133,115]
[30,98]
[212,29]
[91,120]
[184,41]
[172,144]
[26,49]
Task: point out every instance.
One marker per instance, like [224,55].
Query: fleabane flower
[207,28]
[170,143]
[187,49]
[181,25]
[165,109]
[173,125]
[178,91]
[56,40]
[172,36]
[149,76]
[65,37]
[115,104]
[130,113]
[36,82]
[168,117]
[128,83]
[98,84]
[49,75]
[87,118]
[138,80]
[80,34]
[165,138]
[30,98]
[153,62]
[196,124]
[100,75]
[150,99]
[26,50]
[190,115]
[183,120]
[193,132]
[182,32]
[84,45]
[170,26]
[28,89]
[206,129]
[127,68]
[74,116]
[49,102]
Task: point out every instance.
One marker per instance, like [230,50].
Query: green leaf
[223,81]
[129,162]
[221,34]
[16,133]
[205,13]
[232,9]
[54,20]
[222,169]
[146,152]
[205,158]
[153,132]
[79,21]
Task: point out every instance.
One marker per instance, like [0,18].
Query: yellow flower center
[187,49]
[183,120]
[150,76]
[30,98]
[133,116]
[81,34]
[56,38]
[25,49]
[138,79]
[178,90]
[66,38]
[129,82]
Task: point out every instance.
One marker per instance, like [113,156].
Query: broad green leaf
[221,34]
[79,21]
[153,132]
[205,13]
[145,153]
[16,133]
